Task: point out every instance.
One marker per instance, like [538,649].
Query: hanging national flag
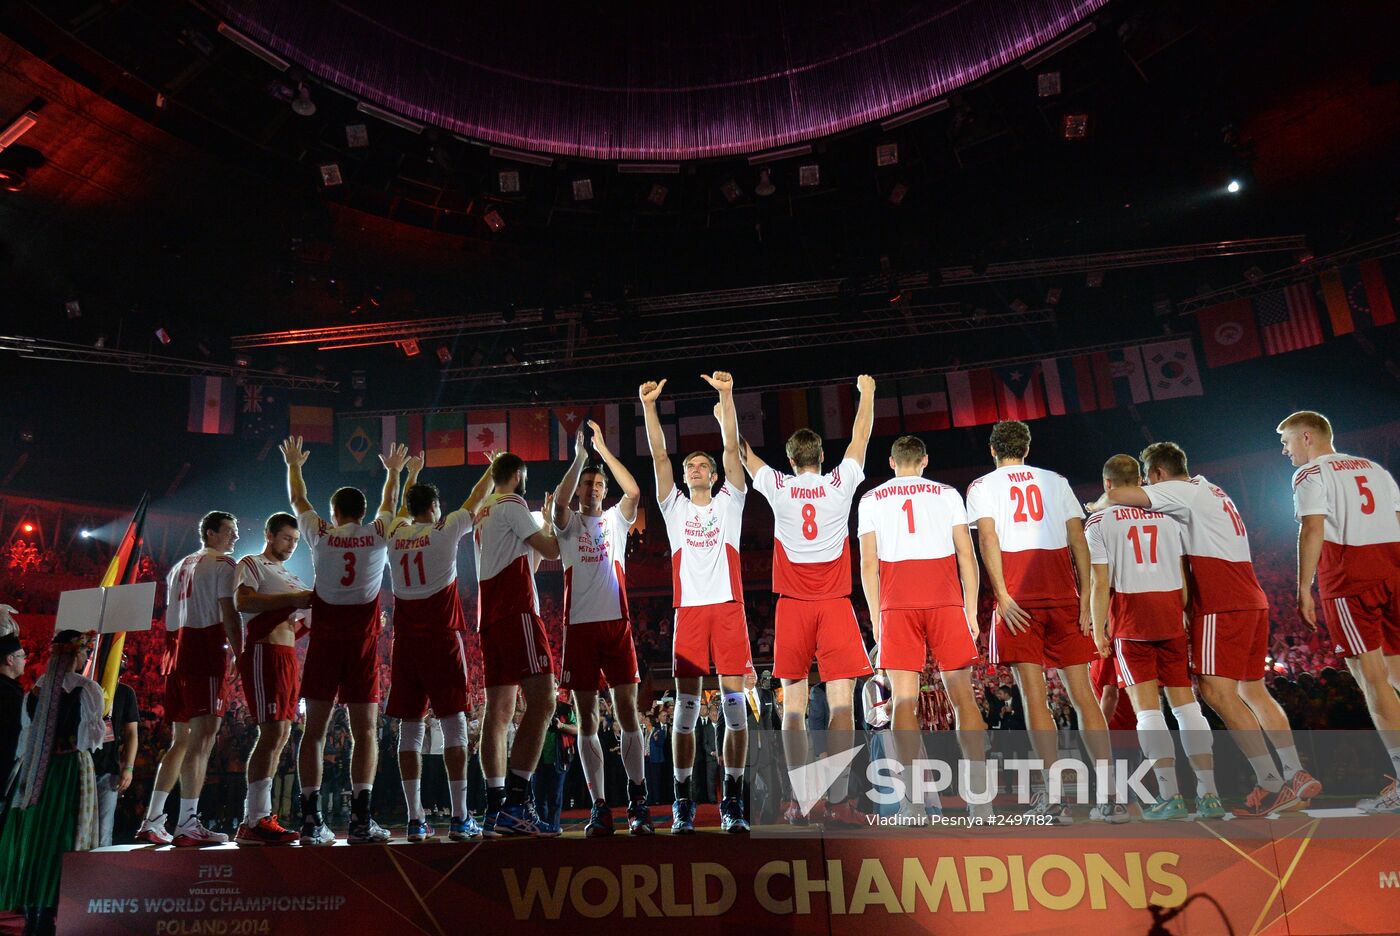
[1357,297]
[750,409]
[1020,391]
[530,431]
[486,432]
[211,405]
[973,397]
[445,441]
[666,413]
[838,411]
[312,423]
[1228,332]
[1120,377]
[887,415]
[401,430]
[696,426]
[794,412]
[105,662]
[1288,319]
[1171,369]
[924,402]
[359,443]
[263,413]
[1069,384]
[567,422]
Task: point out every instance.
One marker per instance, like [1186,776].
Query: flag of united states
[1288,319]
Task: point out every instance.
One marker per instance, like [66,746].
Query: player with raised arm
[514,647]
[272,601]
[1348,511]
[812,578]
[703,528]
[1228,623]
[201,625]
[599,652]
[429,664]
[1031,531]
[342,658]
[920,577]
[1139,556]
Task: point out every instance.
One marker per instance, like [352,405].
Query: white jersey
[811,525]
[594,553]
[195,586]
[1029,508]
[1143,550]
[1222,575]
[503,558]
[1358,500]
[705,547]
[349,559]
[423,556]
[267,577]
[913,520]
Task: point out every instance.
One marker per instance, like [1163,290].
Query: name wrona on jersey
[349,542]
[808,493]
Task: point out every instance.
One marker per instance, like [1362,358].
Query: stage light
[583,189]
[27,528]
[765,186]
[731,191]
[330,175]
[898,192]
[358,380]
[509,181]
[356,136]
[85,534]
[1052,296]
[444,355]
[302,105]
[1019,305]
[494,220]
[809,176]
[1234,187]
[163,336]
[1075,126]
[657,194]
[73,309]
[887,154]
[1047,84]
[18,128]
[409,347]
[1094,279]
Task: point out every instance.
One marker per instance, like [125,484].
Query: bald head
[1121,471]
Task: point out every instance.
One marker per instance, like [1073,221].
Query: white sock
[1288,757]
[358,788]
[157,808]
[1166,782]
[1265,773]
[1394,753]
[683,774]
[188,809]
[459,798]
[590,756]
[736,772]
[634,756]
[412,797]
[495,783]
[522,774]
[259,800]
[1205,782]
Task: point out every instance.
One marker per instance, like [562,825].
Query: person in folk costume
[53,807]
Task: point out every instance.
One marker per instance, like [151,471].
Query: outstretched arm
[729,428]
[631,490]
[564,493]
[480,491]
[414,467]
[752,463]
[295,457]
[1121,496]
[393,462]
[656,439]
[865,420]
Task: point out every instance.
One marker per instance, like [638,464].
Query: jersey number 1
[908,509]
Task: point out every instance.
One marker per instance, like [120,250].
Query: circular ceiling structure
[663,81]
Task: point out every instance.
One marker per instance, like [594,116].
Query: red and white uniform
[514,644]
[1029,508]
[429,663]
[707,583]
[1142,550]
[598,647]
[921,597]
[1229,613]
[194,683]
[812,572]
[349,562]
[269,671]
[1358,574]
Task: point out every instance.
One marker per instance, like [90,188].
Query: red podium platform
[1313,874]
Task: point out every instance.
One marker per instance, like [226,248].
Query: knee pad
[454,731]
[1153,736]
[687,713]
[411,735]
[735,718]
[1195,730]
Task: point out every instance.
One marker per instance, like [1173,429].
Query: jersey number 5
[1368,500]
[1029,504]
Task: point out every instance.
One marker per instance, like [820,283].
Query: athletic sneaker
[1041,806]
[600,821]
[1305,786]
[521,819]
[1387,802]
[191,834]
[639,818]
[367,832]
[1208,806]
[683,817]
[153,831]
[488,824]
[844,813]
[731,815]
[794,816]
[267,831]
[419,830]
[314,831]
[1112,813]
[1174,808]
[1261,802]
[462,830]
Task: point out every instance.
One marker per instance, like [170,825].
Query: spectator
[555,756]
[11,700]
[115,764]
[709,754]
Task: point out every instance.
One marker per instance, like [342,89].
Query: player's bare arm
[870,580]
[723,382]
[1016,619]
[752,463]
[233,626]
[564,493]
[626,481]
[1122,497]
[393,462]
[1310,533]
[1098,607]
[295,456]
[1079,553]
[649,393]
[479,492]
[864,421]
[970,575]
[413,467]
[543,541]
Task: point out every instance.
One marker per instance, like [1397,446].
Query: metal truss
[42,350]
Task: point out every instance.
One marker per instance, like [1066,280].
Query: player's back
[1030,508]
[913,520]
[1216,541]
[423,556]
[1143,551]
[506,582]
[811,527]
[1361,533]
[348,559]
[193,613]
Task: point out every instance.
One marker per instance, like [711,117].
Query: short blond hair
[1309,420]
[1122,470]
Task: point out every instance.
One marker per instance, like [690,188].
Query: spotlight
[657,194]
[898,192]
[1019,305]
[1254,274]
[444,355]
[765,186]
[583,190]
[241,361]
[409,347]
[18,128]
[73,309]
[85,534]
[509,181]
[1234,187]
[809,176]
[163,336]
[494,220]
[1052,296]
[28,528]
[1075,126]
[356,136]
[1047,84]
[302,105]
[330,175]
[887,154]
[1094,278]
[358,380]
[731,191]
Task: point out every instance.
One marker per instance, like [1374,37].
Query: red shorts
[342,657]
[1231,644]
[1053,639]
[598,655]
[718,631]
[269,674]
[1140,661]
[514,648]
[190,695]
[826,629]
[908,636]
[429,668]
[1368,621]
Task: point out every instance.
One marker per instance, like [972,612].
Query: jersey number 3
[349,577]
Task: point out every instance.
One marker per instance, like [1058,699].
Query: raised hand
[865,383]
[723,381]
[600,444]
[580,444]
[293,452]
[650,390]
[394,459]
[414,464]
